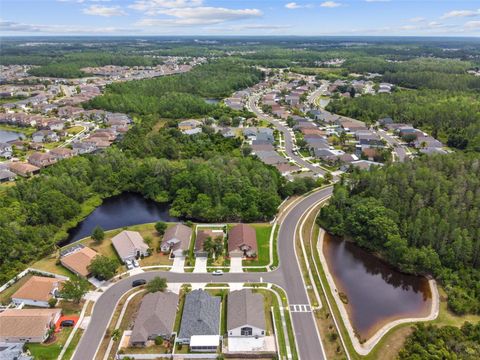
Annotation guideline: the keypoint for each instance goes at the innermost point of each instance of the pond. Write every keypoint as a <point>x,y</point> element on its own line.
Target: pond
<point>212,101</point>
<point>7,135</point>
<point>118,211</point>
<point>376,293</point>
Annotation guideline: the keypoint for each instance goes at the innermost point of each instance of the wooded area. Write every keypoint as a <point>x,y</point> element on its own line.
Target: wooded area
<point>422,216</point>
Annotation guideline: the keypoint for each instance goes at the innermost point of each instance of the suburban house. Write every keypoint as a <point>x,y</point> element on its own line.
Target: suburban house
<point>13,351</point>
<point>6,150</point>
<point>37,291</point>
<point>155,317</point>
<point>189,124</point>
<point>242,241</point>
<point>176,240</point>
<point>200,318</point>
<point>42,159</point>
<point>23,169</point>
<point>62,153</point>
<point>78,260</point>
<point>245,314</point>
<point>130,245</point>
<point>202,236</point>
<point>44,136</point>
<point>6,175</point>
<point>27,325</point>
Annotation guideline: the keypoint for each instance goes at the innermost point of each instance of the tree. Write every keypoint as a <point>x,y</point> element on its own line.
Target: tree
<point>74,289</point>
<point>161,226</point>
<point>328,177</point>
<point>98,234</point>
<point>103,267</point>
<point>52,302</point>
<point>157,284</point>
<point>213,246</point>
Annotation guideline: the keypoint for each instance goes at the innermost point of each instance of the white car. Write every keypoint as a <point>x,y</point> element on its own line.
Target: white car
<point>128,264</point>
<point>217,272</point>
<point>135,263</point>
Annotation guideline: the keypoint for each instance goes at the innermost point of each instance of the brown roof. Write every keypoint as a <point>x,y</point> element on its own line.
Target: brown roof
<point>26,323</point>
<point>180,234</point>
<point>62,151</point>
<point>203,235</point>
<point>309,131</point>
<point>37,288</point>
<point>242,235</point>
<point>23,168</point>
<point>78,261</point>
<point>370,152</point>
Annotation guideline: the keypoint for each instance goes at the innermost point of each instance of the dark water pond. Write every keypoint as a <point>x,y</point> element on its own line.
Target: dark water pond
<point>6,136</point>
<point>118,211</point>
<point>212,101</point>
<point>376,292</point>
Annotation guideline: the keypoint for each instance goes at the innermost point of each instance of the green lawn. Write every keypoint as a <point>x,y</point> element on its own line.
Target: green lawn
<point>263,242</point>
<point>52,350</point>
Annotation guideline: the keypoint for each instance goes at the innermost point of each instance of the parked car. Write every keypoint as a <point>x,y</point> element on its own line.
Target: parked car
<point>67,323</point>
<point>128,264</point>
<point>135,263</point>
<point>138,282</point>
<point>217,272</point>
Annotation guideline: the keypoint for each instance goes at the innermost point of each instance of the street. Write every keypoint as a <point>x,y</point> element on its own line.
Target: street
<point>288,276</point>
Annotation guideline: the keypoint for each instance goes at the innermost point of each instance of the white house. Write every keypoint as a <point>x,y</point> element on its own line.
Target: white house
<point>246,317</point>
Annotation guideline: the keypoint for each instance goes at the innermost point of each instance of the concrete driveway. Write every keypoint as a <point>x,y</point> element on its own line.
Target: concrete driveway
<point>236,265</point>
<point>200,265</point>
<point>178,264</point>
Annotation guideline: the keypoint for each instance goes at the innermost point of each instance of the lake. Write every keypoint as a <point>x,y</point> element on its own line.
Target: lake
<point>118,211</point>
<point>7,135</point>
<point>376,292</point>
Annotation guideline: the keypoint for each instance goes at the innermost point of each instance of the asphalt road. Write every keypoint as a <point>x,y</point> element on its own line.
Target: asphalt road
<point>395,143</point>
<point>289,143</point>
<point>288,275</point>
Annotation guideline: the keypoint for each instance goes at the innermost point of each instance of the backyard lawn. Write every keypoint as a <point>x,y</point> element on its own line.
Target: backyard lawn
<point>52,350</point>
<point>263,242</point>
<point>7,293</point>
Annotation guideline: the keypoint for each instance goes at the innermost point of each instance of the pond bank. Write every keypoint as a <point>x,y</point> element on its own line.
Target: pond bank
<point>365,347</point>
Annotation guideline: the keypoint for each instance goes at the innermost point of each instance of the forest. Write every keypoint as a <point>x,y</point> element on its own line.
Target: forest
<point>452,117</point>
<point>422,216</point>
<point>448,342</point>
<point>205,177</point>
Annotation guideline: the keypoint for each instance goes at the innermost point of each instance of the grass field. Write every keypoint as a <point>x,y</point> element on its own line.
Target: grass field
<point>263,243</point>
<point>52,350</point>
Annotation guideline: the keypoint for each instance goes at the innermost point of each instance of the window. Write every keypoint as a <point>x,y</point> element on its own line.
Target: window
<point>246,331</point>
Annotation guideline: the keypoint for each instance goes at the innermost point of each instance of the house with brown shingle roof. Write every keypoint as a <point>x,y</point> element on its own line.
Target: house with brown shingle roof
<point>130,245</point>
<point>27,325</point>
<point>23,169</point>
<point>202,236</point>
<point>242,241</point>
<point>42,159</point>
<point>79,260</point>
<point>37,291</point>
<point>176,240</point>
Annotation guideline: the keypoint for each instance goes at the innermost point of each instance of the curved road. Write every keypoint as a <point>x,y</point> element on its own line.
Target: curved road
<point>288,275</point>
<point>289,143</point>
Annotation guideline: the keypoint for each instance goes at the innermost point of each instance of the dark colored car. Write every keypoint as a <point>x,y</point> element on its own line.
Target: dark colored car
<point>67,323</point>
<point>138,282</point>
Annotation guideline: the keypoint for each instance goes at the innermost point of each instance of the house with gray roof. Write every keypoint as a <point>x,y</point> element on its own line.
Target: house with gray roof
<point>176,240</point>
<point>245,314</point>
<point>200,317</point>
<point>155,318</point>
<point>130,245</point>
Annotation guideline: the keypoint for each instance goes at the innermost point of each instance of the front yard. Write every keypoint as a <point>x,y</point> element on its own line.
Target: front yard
<point>51,350</point>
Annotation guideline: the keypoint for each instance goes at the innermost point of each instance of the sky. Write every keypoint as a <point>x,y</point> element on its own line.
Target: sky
<point>240,17</point>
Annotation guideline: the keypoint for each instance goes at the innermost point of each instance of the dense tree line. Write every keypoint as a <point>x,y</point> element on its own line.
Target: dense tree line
<point>448,342</point>
<point>423,216</point>
<point>452,117</point>
<point>420,73</point>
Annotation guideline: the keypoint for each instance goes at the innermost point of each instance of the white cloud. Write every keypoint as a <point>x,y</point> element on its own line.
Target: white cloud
<point>200,16</point>
<point>330,4</point>
<point>417,19</point>
<point>472,25</point>
<point>292,5</point>
<point>105,11</point>
<point>461,13</point>
<point>7,26</point>
<point>152,7</point>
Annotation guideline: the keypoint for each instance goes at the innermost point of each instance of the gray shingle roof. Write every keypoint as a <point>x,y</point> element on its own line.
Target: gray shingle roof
<point>245,308</point>
<point>178,236</point>
<point>201,315</point>
<point>155,317</point>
